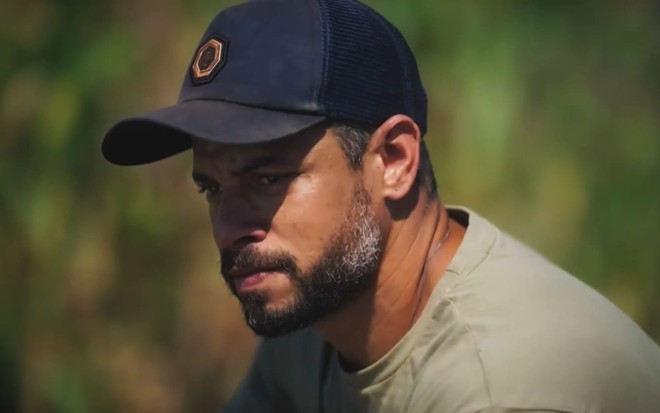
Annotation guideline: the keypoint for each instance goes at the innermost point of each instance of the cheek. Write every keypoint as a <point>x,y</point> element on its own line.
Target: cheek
<point>212,214</point>
<point>309,216</point>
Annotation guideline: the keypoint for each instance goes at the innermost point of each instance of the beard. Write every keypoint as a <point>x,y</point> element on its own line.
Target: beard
<point>344,271</point>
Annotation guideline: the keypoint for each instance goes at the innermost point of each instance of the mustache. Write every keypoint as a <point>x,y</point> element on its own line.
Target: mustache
<point>249,257</point>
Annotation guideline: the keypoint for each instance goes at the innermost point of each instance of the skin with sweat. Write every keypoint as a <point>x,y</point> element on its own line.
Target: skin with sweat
<point>292,196</point>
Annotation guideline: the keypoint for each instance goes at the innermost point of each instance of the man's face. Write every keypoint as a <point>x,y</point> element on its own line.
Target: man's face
<point>294,225</point>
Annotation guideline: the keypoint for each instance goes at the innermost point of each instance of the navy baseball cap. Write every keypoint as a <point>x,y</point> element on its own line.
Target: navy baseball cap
<point>267,69</point>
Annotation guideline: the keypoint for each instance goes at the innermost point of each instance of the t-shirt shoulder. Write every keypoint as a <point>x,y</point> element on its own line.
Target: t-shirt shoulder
<point>538,334</point>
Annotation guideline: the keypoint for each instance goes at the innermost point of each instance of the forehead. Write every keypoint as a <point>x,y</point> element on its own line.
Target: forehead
<point>293,148</point>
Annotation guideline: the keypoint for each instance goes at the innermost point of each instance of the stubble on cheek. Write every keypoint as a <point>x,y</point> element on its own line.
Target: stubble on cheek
<point>342,270</point>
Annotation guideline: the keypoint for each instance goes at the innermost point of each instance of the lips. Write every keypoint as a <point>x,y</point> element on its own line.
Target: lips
<point>245,280</point>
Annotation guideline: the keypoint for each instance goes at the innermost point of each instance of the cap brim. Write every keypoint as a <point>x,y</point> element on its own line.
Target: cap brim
<point>168,131</point>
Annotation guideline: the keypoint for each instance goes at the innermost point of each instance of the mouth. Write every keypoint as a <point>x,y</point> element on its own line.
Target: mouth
<point>249,279</point>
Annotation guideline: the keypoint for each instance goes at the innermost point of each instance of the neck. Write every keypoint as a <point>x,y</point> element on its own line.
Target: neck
<point>417,252</point>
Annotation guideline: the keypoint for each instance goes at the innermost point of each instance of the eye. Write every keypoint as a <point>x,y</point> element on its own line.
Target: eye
<point>267,180</point>
<point>209,190</point>
<point>272,184</point>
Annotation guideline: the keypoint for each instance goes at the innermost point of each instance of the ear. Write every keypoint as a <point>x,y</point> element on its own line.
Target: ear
<point>398,141</point>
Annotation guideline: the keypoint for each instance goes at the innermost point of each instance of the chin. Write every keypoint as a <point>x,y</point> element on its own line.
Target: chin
<point>272,318</point>
<point>274,308</point>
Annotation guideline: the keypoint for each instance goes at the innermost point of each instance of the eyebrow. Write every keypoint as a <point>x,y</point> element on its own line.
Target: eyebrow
<point>200,177</point>
<point>260,162</point>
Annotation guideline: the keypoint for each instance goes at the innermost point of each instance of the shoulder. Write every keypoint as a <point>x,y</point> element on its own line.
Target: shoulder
<point>516,330</point>
<point>285,375</point>
<point>288,354</point>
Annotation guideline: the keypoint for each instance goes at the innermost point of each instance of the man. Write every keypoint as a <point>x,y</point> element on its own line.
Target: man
<point>306,119</point>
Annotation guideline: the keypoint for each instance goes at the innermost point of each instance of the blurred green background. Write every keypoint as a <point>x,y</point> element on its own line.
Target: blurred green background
<point>544,117</point>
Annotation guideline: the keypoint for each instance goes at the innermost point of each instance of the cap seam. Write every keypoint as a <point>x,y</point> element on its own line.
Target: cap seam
<point>324,46</point>
<point>315,13</point>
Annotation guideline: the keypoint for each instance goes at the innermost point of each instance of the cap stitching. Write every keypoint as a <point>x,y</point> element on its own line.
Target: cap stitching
<point>324,45</point>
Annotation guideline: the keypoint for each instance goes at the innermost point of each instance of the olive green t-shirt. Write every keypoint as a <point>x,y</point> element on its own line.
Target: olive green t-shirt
<point>504,331</point>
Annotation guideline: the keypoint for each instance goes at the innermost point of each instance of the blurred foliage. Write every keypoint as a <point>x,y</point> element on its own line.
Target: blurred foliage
<point>543,117</point>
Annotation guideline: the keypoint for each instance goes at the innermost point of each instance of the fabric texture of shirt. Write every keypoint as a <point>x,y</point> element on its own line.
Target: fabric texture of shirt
<point>503,331</point>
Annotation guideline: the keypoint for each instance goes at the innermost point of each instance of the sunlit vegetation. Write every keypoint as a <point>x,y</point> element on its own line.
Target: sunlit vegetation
<point>543,117</point>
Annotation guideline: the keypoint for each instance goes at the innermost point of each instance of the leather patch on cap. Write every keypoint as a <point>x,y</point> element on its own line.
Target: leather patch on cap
<point>210,57</point>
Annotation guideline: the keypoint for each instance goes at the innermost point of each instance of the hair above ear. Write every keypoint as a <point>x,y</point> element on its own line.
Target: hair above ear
<point>354,139</point>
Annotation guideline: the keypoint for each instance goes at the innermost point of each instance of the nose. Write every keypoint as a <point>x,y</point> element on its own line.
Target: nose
<point>236,222</point>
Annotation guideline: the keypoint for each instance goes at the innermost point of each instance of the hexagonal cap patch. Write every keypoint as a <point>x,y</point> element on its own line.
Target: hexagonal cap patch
<point>210,57</point>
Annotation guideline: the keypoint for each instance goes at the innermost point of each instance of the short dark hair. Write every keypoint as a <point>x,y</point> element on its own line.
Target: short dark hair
<point>354,137</point>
